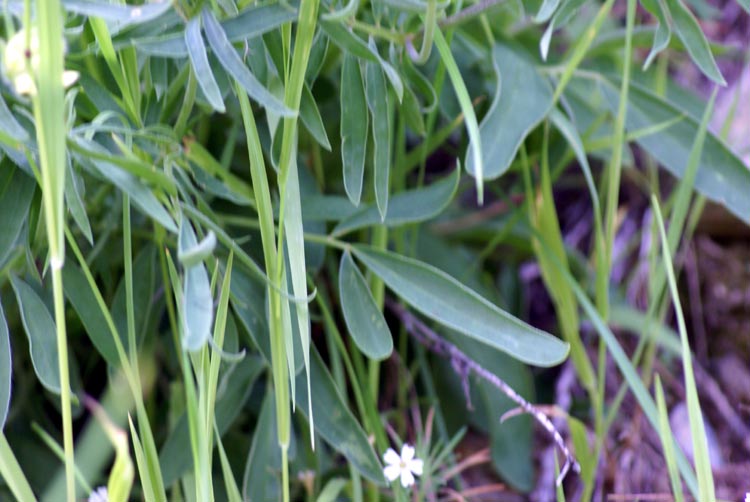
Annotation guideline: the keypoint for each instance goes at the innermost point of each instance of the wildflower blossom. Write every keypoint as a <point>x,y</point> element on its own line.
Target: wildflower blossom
<point>21,62</point>
<point>404,466</point>
<point>99,495</point>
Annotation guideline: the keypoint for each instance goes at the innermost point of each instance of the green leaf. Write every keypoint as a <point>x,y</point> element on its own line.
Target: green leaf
<point>364,320</point>
<point>197,301</point>
<point>121,14</point>
<point>546,11</point>
<point>667,442</point>
<point>663,32</point>
<point>522,100</point>
<point>263,465</point>
<point>234,65</point>
<point>16,191</point>
<point>464,100</point>
<point>745,4</point>
<point>310,116</point>
<point>354,127</point>
<point>11,472</point>
<point>6,369</point>
<point>10,126</point>
<point>560,19</point>
<point>689,31</point>
<point>233,391</point>
<point>331,490</point>
<point>40,330</point>
<point>190,252</point>
<point>82,298</point>
<point>721,176</point>
<point>75,203</point>
<point>380,111</point>
<point>335,423</point>
<point>257,20</point>
<point>411,206</point>
<point>141,196</point>
<point>447,301</point>
<point>201,68</point>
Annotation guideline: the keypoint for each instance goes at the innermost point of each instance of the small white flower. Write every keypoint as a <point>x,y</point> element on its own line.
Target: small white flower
<point>404,465</point>
<point>747,497</point>
<point>21,62</point>
<point>99,495</point>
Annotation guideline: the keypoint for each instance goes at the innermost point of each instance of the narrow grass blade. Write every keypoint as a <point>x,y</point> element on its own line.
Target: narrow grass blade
<point>12,473</point>
<point>380,111</point>
<point>459,87</point>
<point>201,68</point>
<point>354,127</point>
<point>230,484</point>
<point>311,119</point>
<point>364,319</point>
<point>706,489</point>
<point>444,299</point>
<point>667,442</point>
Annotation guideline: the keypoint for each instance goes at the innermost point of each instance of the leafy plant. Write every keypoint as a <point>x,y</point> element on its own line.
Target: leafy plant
<point>231,194</point>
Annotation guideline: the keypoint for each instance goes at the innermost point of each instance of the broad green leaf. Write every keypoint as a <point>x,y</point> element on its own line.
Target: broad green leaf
<point>141,196</point>
<point>310,117</point>
<point>380,111</point>
<point>412,111</point>
<point>335,423</point>
<point>663,32</point>
<point>447,301</point>
<point>721,176</point>
<point>16,192</point>
<point>233,391</point>
<point>197,301</point>
<point>522,100</point>
<point>82,298</point>
<point>233,64</point>
<point>6,369</point>
<point>201,68</point>
<point>691,34</point>
<point>40,330</point>
<point>364,320</point>
<point>354,127</point>
<point>411,206</point>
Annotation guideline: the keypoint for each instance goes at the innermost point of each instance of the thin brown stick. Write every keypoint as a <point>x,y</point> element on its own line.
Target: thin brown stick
<point>464,366</point>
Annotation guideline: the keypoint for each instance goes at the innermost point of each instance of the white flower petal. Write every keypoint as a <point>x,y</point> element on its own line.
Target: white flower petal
<point>407,478</point>
<point>407,453</point>
<point>391,472</point>
<point>99,495</point>
<point>416,466</point>
<point>747,497</point>
<point>69,78</point>
<point>391,457</point>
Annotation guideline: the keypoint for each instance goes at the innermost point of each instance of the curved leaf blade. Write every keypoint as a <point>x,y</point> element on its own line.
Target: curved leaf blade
<point>364,319</point>
<point>691,34</point>
<point>234,65</point>
<point>6,369</point>
<point>201,68</point>
<point>522,100</point>
<point>411,206</point>
<point>447,301</point>
<point>380,111</point>
<point>354,127</point>
<point>40,330</point>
